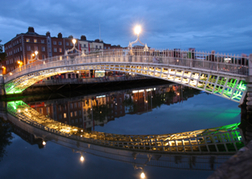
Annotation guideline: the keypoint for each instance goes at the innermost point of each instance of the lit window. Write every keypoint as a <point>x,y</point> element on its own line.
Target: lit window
<point>35,40</point>
<point>75,113</point>
<point>65,116</point>
<point>71,114</point>
<point>60,49</point>
<point>27,40</point>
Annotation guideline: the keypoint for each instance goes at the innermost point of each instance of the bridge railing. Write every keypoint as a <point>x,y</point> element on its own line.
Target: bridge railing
<point>167,57</point>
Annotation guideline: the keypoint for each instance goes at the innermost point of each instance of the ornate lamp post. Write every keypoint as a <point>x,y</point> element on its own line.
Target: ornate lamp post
<point>137,31</point>
<point>74,48</point>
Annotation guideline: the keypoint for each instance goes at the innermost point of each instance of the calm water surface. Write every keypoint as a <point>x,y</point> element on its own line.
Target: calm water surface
<point>150,110</point>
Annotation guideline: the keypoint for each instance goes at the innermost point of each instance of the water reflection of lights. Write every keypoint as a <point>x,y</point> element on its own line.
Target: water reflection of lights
<point>44,143</point>
<point>82,158</point>
<point>142,175</point>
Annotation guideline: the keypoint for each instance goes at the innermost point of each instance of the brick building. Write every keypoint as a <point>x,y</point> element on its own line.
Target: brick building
<point>21,48</point>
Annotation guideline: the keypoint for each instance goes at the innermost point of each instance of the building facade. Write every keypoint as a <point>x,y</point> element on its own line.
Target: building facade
<point>21,49</point>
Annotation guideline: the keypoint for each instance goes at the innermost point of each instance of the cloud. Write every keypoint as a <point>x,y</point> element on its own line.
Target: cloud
<point>166,24</point>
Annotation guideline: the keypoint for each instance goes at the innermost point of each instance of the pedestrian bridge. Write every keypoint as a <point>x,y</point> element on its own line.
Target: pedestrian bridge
<point>218,76</point>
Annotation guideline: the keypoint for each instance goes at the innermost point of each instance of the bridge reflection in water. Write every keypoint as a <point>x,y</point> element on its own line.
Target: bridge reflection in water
<point>198,150</point>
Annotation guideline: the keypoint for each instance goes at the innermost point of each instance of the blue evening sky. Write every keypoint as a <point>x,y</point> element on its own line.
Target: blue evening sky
<point>220,25</point>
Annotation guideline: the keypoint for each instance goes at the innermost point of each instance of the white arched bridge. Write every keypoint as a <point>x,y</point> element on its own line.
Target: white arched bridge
<point>217,74</point>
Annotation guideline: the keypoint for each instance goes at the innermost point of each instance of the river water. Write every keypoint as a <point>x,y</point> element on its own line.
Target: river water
<point>159,109</point>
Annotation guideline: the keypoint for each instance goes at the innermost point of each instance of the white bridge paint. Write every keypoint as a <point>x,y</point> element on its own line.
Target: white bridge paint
<point>199,74</point>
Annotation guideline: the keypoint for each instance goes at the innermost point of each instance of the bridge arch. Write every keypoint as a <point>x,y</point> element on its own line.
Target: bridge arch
<point>193,73</point>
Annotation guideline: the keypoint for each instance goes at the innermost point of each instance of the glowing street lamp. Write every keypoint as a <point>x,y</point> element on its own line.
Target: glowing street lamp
<point>74,42</point>
<point>20,63</point>
<point>137,31</point>
<point>4,70</point>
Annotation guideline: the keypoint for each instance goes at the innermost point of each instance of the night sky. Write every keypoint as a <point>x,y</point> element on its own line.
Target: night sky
<point>221,25</point>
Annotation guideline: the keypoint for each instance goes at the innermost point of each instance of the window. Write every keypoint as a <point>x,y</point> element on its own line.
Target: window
<point>60,50</point>
<point>20,48</point>
<point>28,48</point>
<point>42,41</point>
<point>55,49</point>
<point>59,108</point>
<point>54,43</point>
<point>27,40</point>
<point>84,45</point>
<point>60,43</point>
<point>75,105</point>
<point>100,47</point>
<point>35,40</point>
<point>71,44</point>
<point>67,44</point>
<point>35,47</point>
<point>71,105</point>
<point>65,116</point>
<point>43,56</point>
<point>76,120</point>
<point>43,49</point>
<point>41,110</point>
<point>79,104</point>
<point>75,113</point>
<point>71,114</point>
<point>96,46</point>
<point>60,116</point>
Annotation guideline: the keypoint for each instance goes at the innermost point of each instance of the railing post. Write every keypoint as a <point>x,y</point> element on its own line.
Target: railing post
<point>249,84</point>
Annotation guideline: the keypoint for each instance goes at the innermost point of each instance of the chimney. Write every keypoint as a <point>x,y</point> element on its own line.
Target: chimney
<point>83,37</point>
<point>60,35</point>
<point>30,29</point>
<point>48,34</point>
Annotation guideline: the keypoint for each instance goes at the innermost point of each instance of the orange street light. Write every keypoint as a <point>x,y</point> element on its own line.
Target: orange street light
<point>20,63</point>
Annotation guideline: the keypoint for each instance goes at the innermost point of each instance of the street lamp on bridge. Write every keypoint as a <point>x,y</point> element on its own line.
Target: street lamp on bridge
<point>74,48</point>
<point>137,31</point>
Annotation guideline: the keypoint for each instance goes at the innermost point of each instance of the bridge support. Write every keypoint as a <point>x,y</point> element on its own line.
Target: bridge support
<point>249,85</point>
